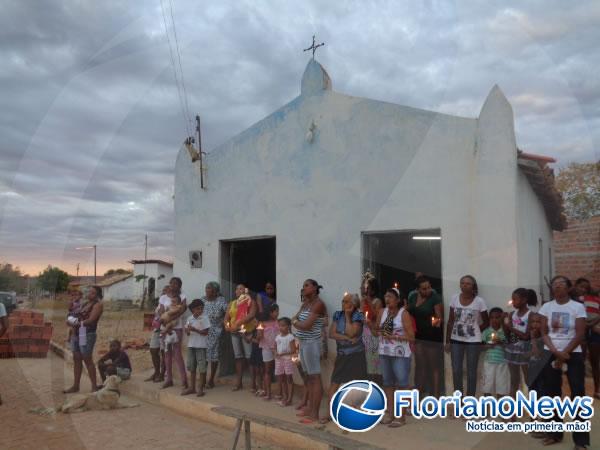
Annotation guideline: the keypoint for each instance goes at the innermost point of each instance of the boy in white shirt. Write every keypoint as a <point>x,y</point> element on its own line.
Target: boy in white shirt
<point>196,328</point>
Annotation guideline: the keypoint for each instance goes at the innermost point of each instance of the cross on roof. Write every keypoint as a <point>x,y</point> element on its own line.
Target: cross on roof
<point>314,47</point>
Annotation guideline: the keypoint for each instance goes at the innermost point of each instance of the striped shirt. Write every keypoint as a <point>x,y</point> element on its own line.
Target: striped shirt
<point>314,332</point>
<point>494,355</point>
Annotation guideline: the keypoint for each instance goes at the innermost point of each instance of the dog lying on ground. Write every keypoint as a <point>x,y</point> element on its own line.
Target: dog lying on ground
<point>109,397</point>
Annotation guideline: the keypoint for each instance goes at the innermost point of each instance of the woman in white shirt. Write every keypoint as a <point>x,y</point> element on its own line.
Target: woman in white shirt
<point>394,325</point>
<point>468,317</point>
<point>563,331</point>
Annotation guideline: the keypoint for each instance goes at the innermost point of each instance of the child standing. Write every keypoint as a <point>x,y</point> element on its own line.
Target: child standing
<point>536,355</point>
<point>284,366</point>
<point>267,332</point>
<point>196,328</point>
<point>517,333</point>
<point>496,378</point>
<point>256,364</point>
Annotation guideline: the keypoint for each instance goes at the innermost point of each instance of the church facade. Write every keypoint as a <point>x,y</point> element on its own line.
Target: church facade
<point>331,185</point>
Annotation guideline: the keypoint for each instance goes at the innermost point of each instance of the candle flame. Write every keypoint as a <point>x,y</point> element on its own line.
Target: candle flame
<point>260,326</point>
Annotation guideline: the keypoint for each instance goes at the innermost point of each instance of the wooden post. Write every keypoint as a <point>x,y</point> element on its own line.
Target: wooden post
<point>247,434</point>
<point>236,434</point>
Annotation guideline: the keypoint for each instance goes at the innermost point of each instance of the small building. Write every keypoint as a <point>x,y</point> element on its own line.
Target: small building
<point>331,185</point>
<point>158,273</point>
<point>117,287</point>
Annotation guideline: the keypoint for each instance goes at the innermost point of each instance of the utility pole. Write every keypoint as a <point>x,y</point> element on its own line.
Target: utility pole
<point>94,263</point>
<point>200,152</point>
<point>144,279</point>
<point>77,270</point>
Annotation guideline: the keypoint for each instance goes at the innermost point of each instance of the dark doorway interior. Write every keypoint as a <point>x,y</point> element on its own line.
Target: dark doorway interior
<point>395,257</point>
<point>249,261</point>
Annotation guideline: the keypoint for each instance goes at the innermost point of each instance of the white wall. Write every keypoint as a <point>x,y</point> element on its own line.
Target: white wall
<point>373,166</point>
<point>153,270</point>
<point>123,290</point>
<point>532,226</point>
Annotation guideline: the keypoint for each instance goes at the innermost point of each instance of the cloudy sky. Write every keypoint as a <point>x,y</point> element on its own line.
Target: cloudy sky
<point>91,122</point>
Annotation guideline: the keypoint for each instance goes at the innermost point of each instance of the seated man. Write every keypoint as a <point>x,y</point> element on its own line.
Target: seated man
<point>115,362</point>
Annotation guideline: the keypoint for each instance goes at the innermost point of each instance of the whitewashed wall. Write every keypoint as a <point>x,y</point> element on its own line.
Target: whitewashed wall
<point>152,271</point>
<point>123,290</point>
<point>533,226</point>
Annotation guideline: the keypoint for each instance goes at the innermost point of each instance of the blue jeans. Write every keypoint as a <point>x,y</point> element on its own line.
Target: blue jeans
<point>457,355</point>
<point>395,370</point>
<point>88,348</point>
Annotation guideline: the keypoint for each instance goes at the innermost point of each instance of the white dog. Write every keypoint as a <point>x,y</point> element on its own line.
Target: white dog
<point>109,397</point>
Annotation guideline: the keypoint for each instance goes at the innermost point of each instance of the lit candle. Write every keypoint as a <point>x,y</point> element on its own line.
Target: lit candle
<point>242,329</point>
<point>345,293</point>
<point>432,320</point>
<point>260,326</point>
<point>510,302</point>
<point>294,359</point>
<point>396,285</point>
<point>367,315</point>
<point>493,337</point>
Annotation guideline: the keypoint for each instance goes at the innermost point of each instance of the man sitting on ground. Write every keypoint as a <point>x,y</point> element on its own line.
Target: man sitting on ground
<point>115,361</point>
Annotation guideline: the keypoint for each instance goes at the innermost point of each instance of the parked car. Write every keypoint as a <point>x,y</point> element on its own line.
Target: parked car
<point>9,299</point>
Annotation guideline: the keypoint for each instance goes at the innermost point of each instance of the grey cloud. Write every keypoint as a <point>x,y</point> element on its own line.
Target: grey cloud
<point>90,121</point>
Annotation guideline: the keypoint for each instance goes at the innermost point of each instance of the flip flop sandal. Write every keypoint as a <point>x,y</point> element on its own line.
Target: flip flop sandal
<point>537,435</point>
<point>307,421</point>
<point>387,419</point>
<point>551,441</point>
<point>397,423</point>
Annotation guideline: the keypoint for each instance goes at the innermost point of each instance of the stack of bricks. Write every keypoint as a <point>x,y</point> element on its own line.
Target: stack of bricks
<point>27,337</point>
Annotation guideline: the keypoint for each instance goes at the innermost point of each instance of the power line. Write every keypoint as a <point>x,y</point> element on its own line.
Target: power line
<point>187,109</point>
<point>179,93</point>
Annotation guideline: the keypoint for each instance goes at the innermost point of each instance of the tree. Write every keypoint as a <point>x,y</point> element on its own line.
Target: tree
<point>110,272</point>
<point>579,184</point>
<point>10,278</point>
<point>53,280</point>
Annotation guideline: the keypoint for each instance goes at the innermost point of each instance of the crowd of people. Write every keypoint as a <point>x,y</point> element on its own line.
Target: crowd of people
<point>376,339</point>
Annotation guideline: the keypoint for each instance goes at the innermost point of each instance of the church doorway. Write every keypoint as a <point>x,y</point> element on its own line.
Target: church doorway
<point>395,256</point>
<point>250,261</point>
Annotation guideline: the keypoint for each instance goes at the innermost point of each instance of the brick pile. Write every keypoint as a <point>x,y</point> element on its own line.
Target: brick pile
<point>28,336</point>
